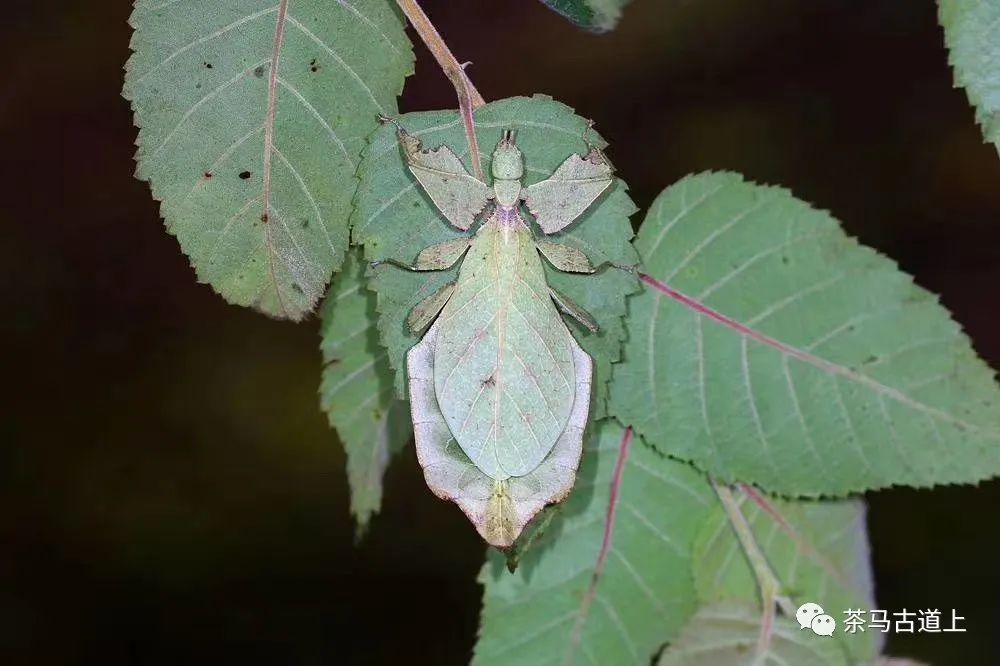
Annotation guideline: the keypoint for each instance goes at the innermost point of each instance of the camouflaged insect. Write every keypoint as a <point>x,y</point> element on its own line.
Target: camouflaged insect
<point>499,388</point>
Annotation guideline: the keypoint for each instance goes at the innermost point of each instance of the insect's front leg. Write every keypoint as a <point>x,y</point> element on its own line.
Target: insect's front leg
<point>459,195</point>
<point>568,193</point>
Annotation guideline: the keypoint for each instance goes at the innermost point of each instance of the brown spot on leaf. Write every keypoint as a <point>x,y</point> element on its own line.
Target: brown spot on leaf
<point>259,72</point>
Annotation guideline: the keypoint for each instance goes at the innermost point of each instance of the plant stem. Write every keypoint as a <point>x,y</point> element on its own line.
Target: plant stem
<point>469,98</point>
<point>770,586</point>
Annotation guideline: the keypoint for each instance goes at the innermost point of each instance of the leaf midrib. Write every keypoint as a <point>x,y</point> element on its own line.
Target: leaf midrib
<point>829,367</point>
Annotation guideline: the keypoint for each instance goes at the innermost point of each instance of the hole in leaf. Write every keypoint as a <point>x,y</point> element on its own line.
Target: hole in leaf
<point>245,175</point>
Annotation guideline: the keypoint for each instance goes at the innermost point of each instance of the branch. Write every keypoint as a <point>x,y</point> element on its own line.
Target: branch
<point>469,98</point>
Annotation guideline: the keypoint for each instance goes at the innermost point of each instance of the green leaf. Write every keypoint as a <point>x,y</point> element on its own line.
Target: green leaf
<point>548,611</point>
<point>356,391</point>
<point>395,220</point>
<point>817,549</point>
<point>252,118</point>
<point>970,32</point>
<point>596,15</point>
<point>725,634</point>
<point>768,347</point>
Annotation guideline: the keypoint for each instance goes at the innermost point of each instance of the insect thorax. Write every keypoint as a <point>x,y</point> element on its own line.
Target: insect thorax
<point>507,169</point>
<point>509,217</point>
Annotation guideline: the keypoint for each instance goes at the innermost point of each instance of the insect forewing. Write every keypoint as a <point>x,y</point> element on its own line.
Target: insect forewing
<point>498,509</point>
<point>504,372</point>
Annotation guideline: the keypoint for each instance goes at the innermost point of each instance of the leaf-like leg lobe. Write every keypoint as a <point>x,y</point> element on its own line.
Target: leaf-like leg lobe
<point>569,307</point>
<point>442,255</point>
<point>564,257</point>
<point>573,186</point>
<point>425,311</point>
<point>455,192</point>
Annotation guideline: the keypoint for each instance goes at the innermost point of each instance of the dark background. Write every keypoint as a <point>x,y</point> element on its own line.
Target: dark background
<point>170,491</point>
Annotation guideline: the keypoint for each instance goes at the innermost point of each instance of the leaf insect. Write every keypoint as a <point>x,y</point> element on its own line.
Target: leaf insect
<point>499,388</point>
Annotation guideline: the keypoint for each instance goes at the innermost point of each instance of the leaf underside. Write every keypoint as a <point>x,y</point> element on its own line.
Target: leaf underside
<point>252,118</point>
<point>725,634</point>
<point>970,31</point>
<point>395,220</point>
<point>538,615</point>
<point>768,347</point>
<point>356,390</point>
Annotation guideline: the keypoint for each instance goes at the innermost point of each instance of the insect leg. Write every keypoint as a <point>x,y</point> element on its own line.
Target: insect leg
<point>424,312</point>
<point>566,305</point>
<point>564,257</point>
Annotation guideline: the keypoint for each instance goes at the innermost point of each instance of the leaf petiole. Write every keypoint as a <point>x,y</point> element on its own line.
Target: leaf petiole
<point>767,581</point>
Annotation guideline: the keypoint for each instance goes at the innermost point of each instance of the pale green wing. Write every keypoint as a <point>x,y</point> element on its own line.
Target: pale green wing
<point>458,195</point>
<point>503,365</point>
<point>452,476</point>
<point>573,186</point>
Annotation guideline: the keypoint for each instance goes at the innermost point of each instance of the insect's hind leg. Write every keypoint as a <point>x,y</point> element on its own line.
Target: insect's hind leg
<point>567,306</point>
<point>424,312</point>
